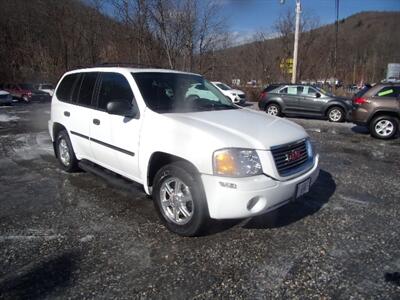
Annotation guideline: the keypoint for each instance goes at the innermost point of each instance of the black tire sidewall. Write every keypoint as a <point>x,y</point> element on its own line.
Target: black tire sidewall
<point>277,107</point>
<point>342,112</point>
<point>380,118</point>
<point>200,210</point>
<point>63,135</point>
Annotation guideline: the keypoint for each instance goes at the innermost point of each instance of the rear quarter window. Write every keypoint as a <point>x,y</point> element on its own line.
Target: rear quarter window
<point>65,88</point>
<point>389,91</point>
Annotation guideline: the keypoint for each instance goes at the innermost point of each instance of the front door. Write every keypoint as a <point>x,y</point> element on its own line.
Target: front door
<point>310,102</point>
<point>115,139</point>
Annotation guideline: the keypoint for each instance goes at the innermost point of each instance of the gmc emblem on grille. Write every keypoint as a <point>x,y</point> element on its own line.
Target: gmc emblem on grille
<point>293,155</point>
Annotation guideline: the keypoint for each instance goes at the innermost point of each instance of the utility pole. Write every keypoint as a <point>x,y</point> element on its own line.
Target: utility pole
<point>296,41</point>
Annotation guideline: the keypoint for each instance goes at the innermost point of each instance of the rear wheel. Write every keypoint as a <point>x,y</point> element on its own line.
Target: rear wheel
<point>336,114</point>
<point>384,127</point>
<point>273,109</point>
<point>65,152</point>
<point>180,200</point>
<point>25,98</point>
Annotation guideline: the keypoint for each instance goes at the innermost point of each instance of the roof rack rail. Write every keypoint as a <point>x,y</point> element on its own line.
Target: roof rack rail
<point>119,64</point>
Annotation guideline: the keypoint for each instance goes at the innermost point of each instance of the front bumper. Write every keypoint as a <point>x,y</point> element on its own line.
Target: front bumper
<point>235,198</point>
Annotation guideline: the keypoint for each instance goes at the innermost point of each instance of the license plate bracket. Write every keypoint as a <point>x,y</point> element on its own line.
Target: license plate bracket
<point>303,187</point>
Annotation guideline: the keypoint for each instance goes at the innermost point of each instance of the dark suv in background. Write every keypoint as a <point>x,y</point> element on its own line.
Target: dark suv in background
<point>303,100</point>
<point>378,108</point>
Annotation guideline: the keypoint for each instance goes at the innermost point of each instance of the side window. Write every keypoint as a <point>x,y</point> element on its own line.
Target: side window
<point>312,91</point>
<point>65,88</point>
<point>300,90</point>
<point>292,90</point>
<point>114,86</point>
<point>283,91</point>
<point>87,88</point>
<point>389,91</point>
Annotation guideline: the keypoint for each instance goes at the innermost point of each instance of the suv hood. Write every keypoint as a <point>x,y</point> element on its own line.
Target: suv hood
<point>236,92</point>
<point>241,127</point>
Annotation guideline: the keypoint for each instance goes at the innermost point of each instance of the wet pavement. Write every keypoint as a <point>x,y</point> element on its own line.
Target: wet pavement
<point>76,236</point>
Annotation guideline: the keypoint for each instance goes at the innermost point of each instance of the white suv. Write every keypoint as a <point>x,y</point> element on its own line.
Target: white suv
<point>236,96</point>
<point>196,153</point>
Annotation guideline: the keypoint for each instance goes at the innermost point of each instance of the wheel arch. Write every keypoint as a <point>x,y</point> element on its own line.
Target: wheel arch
<point>57,127</point>
<point>384,112</point>
<point>159,159</point>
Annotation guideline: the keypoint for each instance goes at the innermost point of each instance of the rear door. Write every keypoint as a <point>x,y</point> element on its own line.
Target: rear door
<point>387,98</point>
<point>115,139</point>
<point>290,98</point>
<point>79,114</point>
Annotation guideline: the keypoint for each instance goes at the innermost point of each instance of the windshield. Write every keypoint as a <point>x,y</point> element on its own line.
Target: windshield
<point>174,92</point>
<point>26,86</point>
<point>224,87</point>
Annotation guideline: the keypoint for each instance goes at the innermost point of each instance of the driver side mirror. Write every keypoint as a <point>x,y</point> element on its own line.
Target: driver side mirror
<point>318,95</point>
<point>121,108</point>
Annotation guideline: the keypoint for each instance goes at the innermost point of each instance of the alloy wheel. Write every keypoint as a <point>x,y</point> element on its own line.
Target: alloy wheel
<point>384,128</point>
<point>176,201</point>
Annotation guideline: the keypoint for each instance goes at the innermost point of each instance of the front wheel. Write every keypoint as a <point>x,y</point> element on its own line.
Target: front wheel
<point>336,114</point>
<point>273,109</point>
<point>180,200</point>
<point>384,127</point>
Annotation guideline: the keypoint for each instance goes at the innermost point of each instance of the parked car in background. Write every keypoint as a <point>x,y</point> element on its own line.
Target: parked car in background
<point>5,98</point>
<point>378,108</point>
<point>236,96</point>
<point>26,92</point>
<point>46,87</point>
<point>304,100</point>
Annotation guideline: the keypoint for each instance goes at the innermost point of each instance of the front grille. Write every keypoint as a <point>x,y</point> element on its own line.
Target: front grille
<point>291,157</point>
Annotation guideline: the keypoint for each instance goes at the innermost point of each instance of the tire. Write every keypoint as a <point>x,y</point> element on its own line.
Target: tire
<point>384,127</point>
<point>65,152</point>
<point>273,109</point>
<point>336,114</point>
<point>25,98</point>
<point>185,217</point>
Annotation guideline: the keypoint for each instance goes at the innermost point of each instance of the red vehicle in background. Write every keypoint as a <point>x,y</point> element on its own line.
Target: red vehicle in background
<point>26,92</point>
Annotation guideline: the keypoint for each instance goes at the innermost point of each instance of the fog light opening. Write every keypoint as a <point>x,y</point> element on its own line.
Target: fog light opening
<point>253,201</point>
<point>256,204</point>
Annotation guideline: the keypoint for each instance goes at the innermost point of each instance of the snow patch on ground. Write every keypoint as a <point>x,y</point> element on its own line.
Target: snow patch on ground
<point>30,146</point>
<point>8,118</point>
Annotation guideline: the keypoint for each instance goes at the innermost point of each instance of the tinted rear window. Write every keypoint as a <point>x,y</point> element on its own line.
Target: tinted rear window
<point>389,91</point>
<point>271,87</point>
<point>87,88</point>
<point>65,88</point>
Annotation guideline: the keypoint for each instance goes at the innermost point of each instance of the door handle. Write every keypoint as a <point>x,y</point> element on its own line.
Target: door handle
<point>67,113</point>
<point>96,121</point>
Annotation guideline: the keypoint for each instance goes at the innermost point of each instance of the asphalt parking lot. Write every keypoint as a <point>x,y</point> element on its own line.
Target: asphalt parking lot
<point>76,236</point>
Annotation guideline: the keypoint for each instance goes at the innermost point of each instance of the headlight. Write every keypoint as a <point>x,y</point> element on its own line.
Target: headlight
<point>310,150</point>
<point>236,162</point>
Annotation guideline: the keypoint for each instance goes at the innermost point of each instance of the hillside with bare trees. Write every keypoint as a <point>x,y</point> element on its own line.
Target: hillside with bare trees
<point>367,42</point>
<point>41,39</point>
